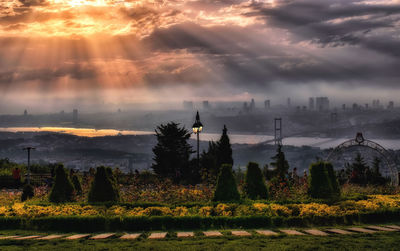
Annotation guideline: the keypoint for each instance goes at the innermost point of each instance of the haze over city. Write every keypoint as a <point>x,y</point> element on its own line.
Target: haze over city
<point>93,54</point>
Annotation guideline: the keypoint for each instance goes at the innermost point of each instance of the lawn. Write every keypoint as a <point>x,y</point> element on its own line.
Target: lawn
<point>377,241</point>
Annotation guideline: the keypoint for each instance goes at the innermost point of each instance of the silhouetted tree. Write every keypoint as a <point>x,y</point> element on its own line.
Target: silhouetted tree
<point>224,149</point>
<point>208,164</point>
<point>226,189</point>
<point>320,185</point>
<point>172,152</point>
<point>218,153</point>
<point>280,165</point>
<point>358,171</point>
<point>62,190</point>
<point>254,186</point>
<point>77,184</point>
<point>102,188</point>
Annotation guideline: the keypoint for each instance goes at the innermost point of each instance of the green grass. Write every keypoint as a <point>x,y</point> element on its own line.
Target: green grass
<point>377,241</point>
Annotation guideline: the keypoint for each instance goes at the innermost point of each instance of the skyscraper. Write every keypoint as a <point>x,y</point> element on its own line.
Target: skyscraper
<point>267,104</point>
<point>311,103</point>
<point>75,116</point>
<point>322,103</point>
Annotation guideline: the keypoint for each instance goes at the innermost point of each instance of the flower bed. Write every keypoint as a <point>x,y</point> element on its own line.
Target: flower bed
<point>348,207</point>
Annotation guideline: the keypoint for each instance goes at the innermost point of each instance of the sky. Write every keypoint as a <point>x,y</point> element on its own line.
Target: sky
<point>67,53</point>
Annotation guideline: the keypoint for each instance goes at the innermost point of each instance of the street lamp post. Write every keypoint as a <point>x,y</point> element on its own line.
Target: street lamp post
<point>197,128</point>
<point>28,149</point>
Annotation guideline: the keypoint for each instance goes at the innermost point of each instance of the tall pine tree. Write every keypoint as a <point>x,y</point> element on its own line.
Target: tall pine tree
<point>218,153</point>
<point>280,164</point>
<point>224,149</point>
<point>172,152</point>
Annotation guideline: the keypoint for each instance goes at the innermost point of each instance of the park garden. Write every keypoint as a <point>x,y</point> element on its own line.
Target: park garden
<point>205,193</point>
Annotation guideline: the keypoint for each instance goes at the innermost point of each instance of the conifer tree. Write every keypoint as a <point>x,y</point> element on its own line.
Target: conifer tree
<point>77,184</point>
<point>226,189</point>
<point>224,149</point>
<point>280,164</point>
<point>320,185</point>
<point>102,188</point>
<point>172,152</point>
<point>62,190</point>
<point>254,186</point>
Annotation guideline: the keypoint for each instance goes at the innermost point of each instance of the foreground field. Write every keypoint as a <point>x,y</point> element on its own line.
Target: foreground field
<point>376,241</point>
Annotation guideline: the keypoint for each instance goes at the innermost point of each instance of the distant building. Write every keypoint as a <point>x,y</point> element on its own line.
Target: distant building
<point>188,105</point>
<point>245,106</point>
<point>344,107</point>
<point>366,106</point>
<point>288,102</point>
<point>376,104</point>
<point>267,104</point>
<point>322,103</point>
<point>252,105</point>
<point>390,105</point>
<point>25,113</point>
<point>355,107</point>
<point>75,116</point>
<point>311,103</point>
<point>206,105</point>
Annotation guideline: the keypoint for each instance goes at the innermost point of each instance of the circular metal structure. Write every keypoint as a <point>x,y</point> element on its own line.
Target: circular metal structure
<point>359,141</point>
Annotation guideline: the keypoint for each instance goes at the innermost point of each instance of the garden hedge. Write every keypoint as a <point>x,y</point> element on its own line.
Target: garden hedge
<point>143,223</point>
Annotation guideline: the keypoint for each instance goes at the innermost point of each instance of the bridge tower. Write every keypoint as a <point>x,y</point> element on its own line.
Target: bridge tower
<point>278,131</point>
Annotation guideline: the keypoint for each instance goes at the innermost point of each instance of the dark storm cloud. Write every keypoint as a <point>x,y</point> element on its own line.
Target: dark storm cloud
<point>251,64</point>
<point>336,23</point>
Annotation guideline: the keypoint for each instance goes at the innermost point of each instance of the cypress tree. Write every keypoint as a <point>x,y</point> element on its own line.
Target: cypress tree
<point>280,164</point>
<point>62,190</point>
<point>226,189</point>
<point>319,183</point>
<point>333,179</point>
<point>77,184</point>
<point>102,188</point>
<point>224,149</point>
<point>254,186</point>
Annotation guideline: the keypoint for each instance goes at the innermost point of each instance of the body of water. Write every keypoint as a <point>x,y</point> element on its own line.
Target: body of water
<point>235,138</point>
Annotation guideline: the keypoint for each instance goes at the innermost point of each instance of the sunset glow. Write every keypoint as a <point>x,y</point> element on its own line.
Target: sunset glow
<point>138,51</point>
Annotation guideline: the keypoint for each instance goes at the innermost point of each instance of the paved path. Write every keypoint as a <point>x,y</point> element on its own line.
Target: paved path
<point>209,234</point>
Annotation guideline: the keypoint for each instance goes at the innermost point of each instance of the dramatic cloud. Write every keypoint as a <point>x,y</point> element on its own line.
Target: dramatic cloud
<point>200,47</point>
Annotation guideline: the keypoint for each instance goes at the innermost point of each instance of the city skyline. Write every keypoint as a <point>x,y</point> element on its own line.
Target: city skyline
<point>67,53</point>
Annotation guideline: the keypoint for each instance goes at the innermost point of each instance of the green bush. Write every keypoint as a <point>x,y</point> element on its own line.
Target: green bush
<point>103,188</point>
<point>254,186</point>
<point>226,189</point>
<point>320,186</point>
<point>143,223</point>
<point>62,190</point>
<point>77,184</point>
<point>333,179</point>
<point>27,192</point>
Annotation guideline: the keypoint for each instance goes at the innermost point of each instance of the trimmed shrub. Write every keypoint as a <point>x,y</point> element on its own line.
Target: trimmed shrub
<point>103,188</point>
<point>27,192</point>
<point>254,183</point>
<point>226,189</point>
<point>333,179</point>
<point>62,190</point>
<point>77,184</point>
<point>320,186</point>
